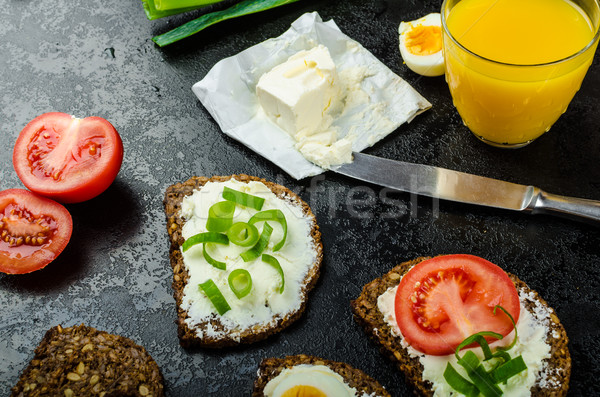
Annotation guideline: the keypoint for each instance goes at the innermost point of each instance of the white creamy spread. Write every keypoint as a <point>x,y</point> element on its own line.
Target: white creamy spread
<point>321,377</point>
<point>531,344</point>
<point>264,303</point>
<point>306,94</point>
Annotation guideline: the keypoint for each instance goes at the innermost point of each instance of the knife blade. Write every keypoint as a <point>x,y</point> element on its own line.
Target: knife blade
<point>445,184</point>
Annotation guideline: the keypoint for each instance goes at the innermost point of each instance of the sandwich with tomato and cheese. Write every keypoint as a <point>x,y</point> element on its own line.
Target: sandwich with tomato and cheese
<point>459,325</point>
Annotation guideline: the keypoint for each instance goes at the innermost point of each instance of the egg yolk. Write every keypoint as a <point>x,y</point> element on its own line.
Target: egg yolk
<point>303,391</point>
<point>424,40</point>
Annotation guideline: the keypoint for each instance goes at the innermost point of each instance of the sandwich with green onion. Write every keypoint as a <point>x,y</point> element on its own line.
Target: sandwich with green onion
<point>245,254</point>
<point>459,325</point>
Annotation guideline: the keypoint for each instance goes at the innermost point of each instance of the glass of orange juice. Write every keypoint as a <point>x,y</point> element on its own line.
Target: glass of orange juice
<point>513,66</point>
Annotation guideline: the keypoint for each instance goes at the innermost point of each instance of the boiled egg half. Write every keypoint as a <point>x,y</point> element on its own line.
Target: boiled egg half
<point>309,381</point>
<point>421,45</point>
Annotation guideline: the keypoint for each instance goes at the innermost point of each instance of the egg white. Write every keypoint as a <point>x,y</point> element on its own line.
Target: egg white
<point>426,65</point>
<point>319,376</point>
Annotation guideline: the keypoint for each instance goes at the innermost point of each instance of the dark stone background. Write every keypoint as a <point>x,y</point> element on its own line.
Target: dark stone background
<point>90,58</point>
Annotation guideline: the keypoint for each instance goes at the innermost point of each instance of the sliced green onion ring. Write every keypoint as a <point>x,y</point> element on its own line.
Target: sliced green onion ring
<point>479,338</point>
<point>240,282</point>
<point>243,234</point>
<point>512,320</point>
<point>245,199</point>
<point>478,375</point>
<point>216,297</point>
<point>484,382</point>
<point>260,245</point>
<point>218,264</point>
<point>220,216</point>
<point>272,215</point>
<point>206,237</point>
<point>509,369</point>
<point>469,361</point>
<point>458,383</point>
<point>275,263</point>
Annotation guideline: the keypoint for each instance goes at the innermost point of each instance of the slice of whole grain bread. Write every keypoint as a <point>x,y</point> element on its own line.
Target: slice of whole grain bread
<point>82,361</point>
<point>188,337</point>
<point>554,381</point>
<point>271,367</point>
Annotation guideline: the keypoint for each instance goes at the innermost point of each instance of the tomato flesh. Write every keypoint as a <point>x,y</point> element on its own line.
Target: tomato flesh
<point>33,231</point>
<point>443,300</point>
<point>66,158</point>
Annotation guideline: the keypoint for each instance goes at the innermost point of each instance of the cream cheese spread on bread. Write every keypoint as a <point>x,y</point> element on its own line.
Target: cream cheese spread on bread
<point>264,302</point>
<point>531,344</point>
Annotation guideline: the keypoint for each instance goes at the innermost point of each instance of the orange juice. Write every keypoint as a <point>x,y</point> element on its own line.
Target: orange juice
<point>513,66</point>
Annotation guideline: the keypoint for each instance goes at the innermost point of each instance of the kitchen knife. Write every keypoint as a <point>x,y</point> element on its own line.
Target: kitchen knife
<point>458,186</point>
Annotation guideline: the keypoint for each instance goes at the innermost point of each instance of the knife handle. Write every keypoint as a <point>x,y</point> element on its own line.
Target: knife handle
<point>568,207</point>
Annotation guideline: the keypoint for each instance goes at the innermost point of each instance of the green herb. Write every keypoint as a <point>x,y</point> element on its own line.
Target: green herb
<point>240,9</point>
<point>207,237</point>
<point>220,216</point>
<point>272,215</point>
<point>240,282</point>
<point>275,263</point>
<point>216,297</point>
<point>458,383</point>
<point>509,369</point>
<point>218,264</point>
<point>245,199</point>
<point>260,246</point>
<point>243,234</point>
<point>483,381</point>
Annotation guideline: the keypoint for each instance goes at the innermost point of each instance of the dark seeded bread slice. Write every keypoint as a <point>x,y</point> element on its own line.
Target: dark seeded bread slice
<point>82,361</point>
<point>556,377</point>
<point>271,367</point>
<point>188,337</point>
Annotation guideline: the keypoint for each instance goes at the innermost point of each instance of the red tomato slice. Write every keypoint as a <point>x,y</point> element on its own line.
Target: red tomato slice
<point>443,300</point>
<point>68,159</point>
<point>34,230</point>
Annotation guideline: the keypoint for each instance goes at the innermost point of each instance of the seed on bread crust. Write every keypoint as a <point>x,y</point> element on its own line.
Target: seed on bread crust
<point>271,367</point>
<point>66,365</point>
<point>174,196</point>
<point>367,314</point>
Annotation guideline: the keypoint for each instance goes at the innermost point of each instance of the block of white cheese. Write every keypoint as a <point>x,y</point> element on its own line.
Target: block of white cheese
<point>302,94</point>
<point>373,104</point>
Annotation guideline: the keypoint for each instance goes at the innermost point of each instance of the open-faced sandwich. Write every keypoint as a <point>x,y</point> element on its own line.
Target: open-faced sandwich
<point>82,361</point>
<point>304,375</point>
<point>448,323</point>
<point>245,253</point>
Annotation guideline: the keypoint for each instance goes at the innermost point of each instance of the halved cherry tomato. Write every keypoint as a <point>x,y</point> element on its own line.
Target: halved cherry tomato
<point>33,231</point>
<point>68,159</point>
<point>443,300</point>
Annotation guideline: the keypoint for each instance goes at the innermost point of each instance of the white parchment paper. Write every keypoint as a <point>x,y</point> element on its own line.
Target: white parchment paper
<point>229,93</point>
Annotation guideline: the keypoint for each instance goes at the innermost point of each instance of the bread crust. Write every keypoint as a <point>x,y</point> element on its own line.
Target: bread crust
<point>271,367</point>
<point>82,361</point>
<point>174,196</point>
<point>371,319</point>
